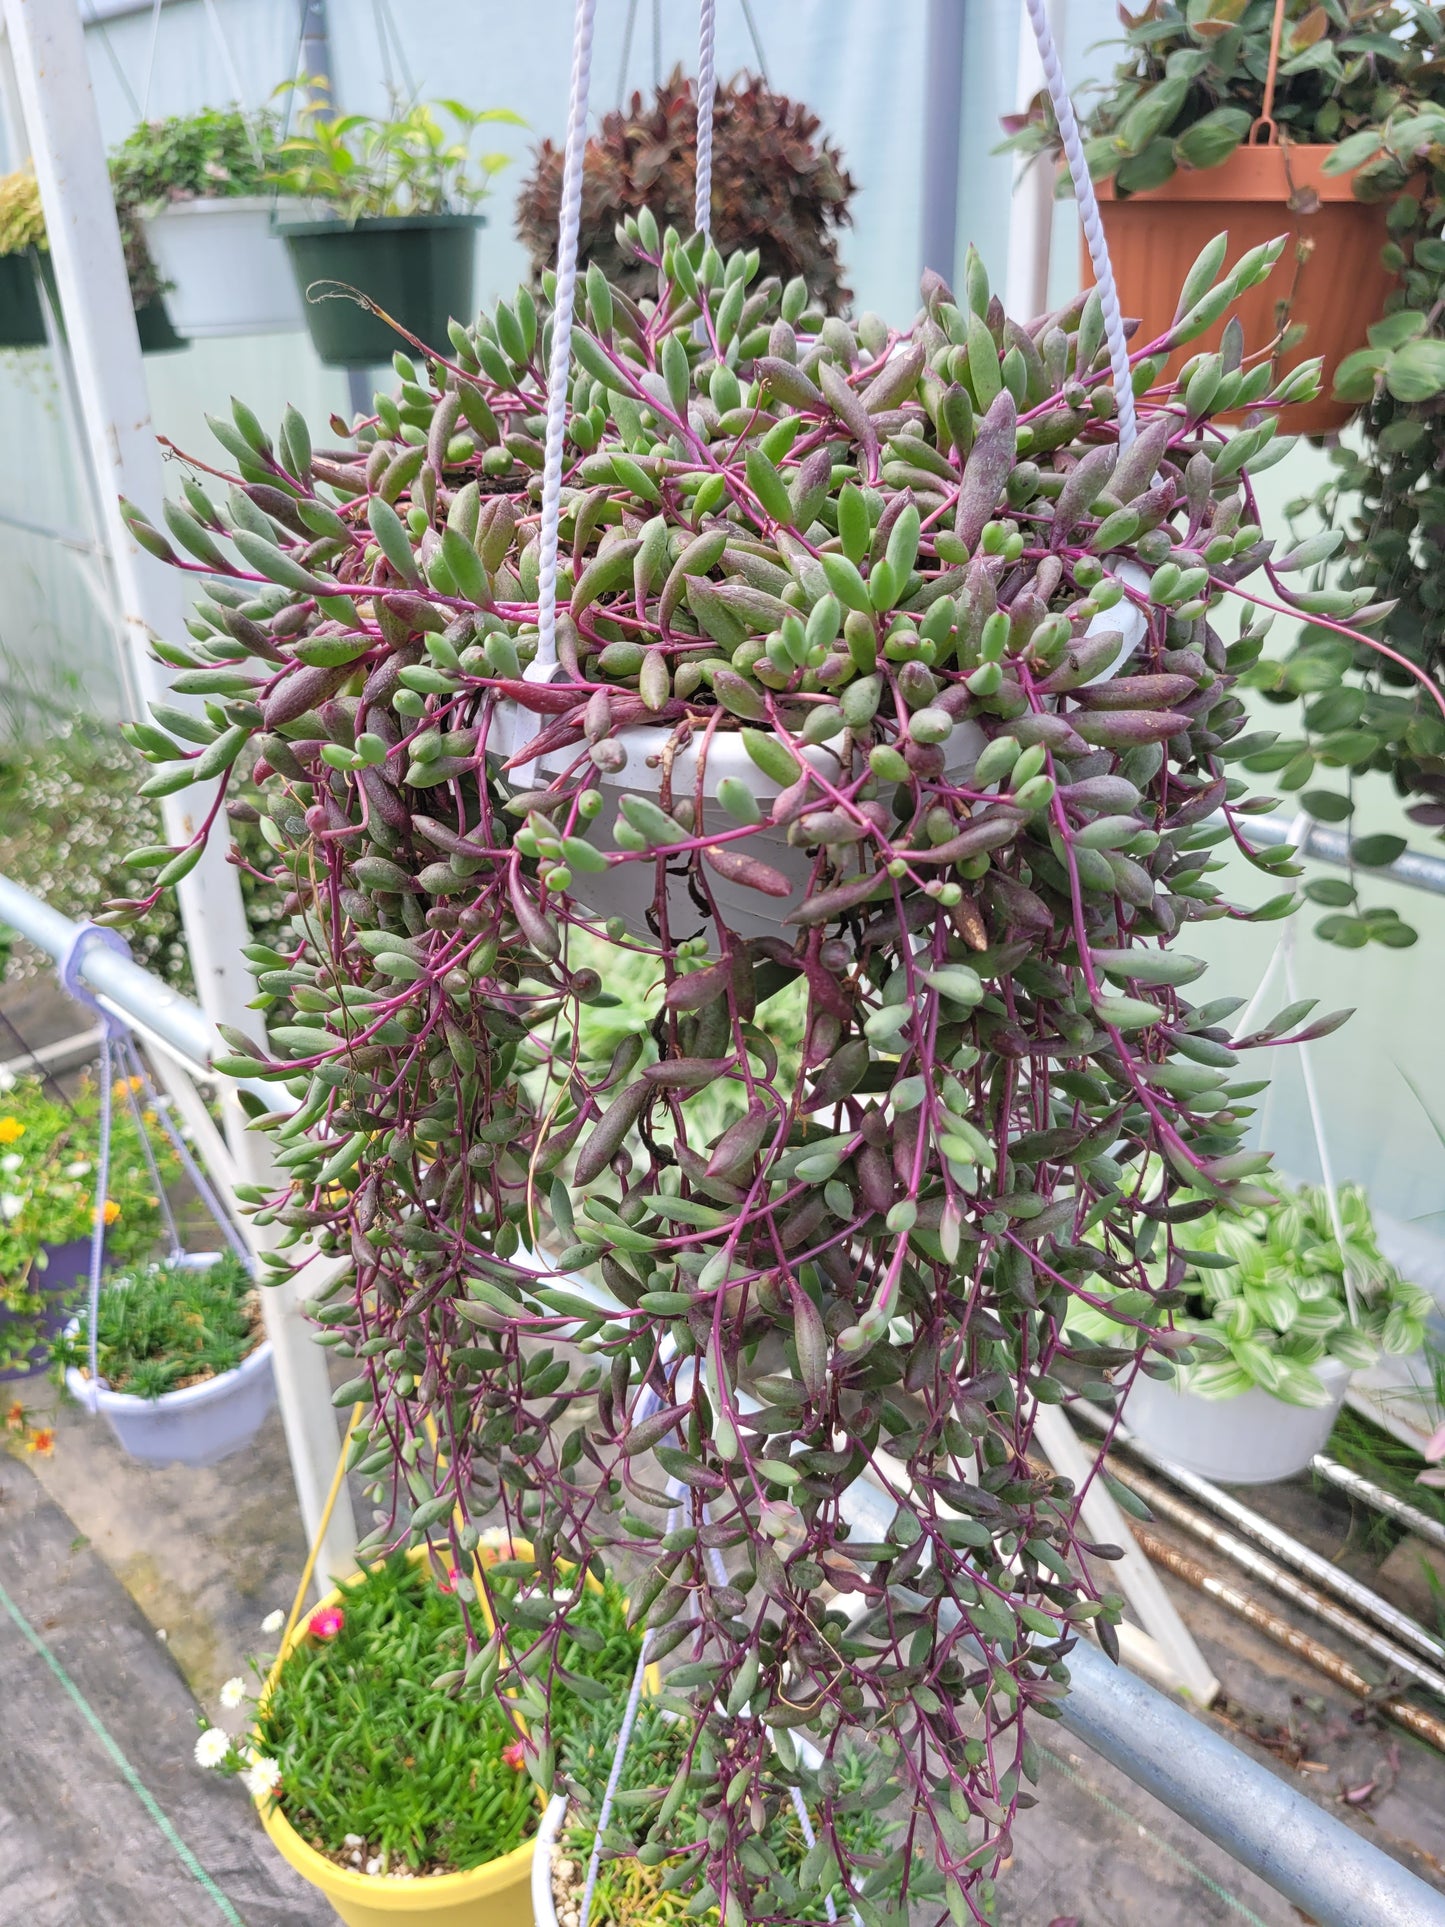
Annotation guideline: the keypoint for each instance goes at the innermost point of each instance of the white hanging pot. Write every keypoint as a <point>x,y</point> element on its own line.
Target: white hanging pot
<point>627,890</point>
<point>200,1425</point>
<point>544,1905</point>
<point>229,269</point>
<point>1253,1438</point>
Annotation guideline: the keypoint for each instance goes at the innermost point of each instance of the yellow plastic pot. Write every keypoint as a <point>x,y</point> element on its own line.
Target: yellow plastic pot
<point>496,1894</point>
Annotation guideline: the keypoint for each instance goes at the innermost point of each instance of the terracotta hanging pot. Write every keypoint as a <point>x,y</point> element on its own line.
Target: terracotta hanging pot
<point>1330,280</point>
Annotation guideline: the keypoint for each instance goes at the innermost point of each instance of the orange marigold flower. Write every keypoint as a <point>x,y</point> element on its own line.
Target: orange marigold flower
<point>15,1417</point>
<point>10,1129</point>
<point>42,1440</point>
<point>112,1211</point>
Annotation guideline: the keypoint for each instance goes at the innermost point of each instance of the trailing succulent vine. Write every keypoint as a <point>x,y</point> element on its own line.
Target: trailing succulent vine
<point>868,573</point>
<point>1366,77</point>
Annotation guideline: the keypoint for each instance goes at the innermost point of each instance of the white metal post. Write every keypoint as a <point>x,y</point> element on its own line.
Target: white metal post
<point>47,44</point>
<point>1031,216</point>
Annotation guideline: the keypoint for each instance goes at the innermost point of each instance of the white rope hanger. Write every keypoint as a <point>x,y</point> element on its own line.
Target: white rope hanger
<point>1089,218</point>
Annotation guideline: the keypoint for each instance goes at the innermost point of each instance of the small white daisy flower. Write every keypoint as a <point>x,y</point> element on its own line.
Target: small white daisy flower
<point>261,1777</point>
<point>273,1622</point>
<point>212,1747</point>
<point>12,1161</point>
<point>9,1205</point>
<point>233,1692</point>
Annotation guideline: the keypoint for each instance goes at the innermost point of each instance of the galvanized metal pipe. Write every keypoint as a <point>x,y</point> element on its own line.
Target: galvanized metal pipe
<point>131,991</point>
<point>1260,1820</point>
<point>1163,1503</point>
<point>1264,1532</point>
<point>1425,1725</point>
<point>1359,1487</point>
<point>1412,867</point>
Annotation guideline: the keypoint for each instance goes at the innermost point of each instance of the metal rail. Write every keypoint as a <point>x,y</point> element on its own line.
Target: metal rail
<point>1414,868</point>
<point>121,985</point>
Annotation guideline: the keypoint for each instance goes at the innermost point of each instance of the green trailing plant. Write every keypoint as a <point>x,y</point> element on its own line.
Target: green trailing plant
<point>779,185</point>
<point>22,219</point>
<point>1367,77</point>
<point>48,1148</point>
<point>363,166</point>
<point>880,571</point>
<point>216,154</point>
<point>1266,1298</point>
<point>165,1326</point>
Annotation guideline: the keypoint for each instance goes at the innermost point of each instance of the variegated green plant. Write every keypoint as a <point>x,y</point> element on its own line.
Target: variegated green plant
<point>1267,1302</point>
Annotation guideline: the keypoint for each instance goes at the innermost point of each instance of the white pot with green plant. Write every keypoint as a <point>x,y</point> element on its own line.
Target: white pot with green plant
<point>184,1368</point>
<point>1277,1332</point>
<point>202,188</point>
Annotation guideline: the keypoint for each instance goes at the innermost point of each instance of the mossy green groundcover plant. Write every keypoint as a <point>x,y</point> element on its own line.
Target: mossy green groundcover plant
<point>371,1754</point>
<point>165,1326</point>
<point>882,569</point>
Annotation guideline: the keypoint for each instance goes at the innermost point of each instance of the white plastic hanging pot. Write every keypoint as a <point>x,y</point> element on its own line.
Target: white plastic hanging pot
<point>229,269</point>
<point>1253,1438</point>
<point>627,890</point>
<point>544,1904</point>
<point>200,1425</point>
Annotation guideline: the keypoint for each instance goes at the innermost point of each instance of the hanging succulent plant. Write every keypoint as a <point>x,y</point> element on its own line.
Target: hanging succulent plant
<point>836,761</point>
<point>778,185</point>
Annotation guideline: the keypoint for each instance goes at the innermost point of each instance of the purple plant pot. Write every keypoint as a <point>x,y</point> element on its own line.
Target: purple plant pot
<point>66,1272</point>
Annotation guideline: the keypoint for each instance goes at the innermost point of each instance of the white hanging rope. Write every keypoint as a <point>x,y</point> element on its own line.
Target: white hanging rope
<point>1089,218</point>
<point>569,220</point>
<point>151,60</point>
<point>1282,957</point>
<point>706,94</point>
<point>119,1056</point>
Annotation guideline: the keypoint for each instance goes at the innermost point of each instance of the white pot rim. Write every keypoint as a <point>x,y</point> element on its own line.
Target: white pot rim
<point>544,1907</point>
<point>188,1398</point>
<point>213,205</point>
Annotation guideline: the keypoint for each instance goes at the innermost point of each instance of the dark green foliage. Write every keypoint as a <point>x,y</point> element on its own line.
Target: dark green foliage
<point>1367,77</point>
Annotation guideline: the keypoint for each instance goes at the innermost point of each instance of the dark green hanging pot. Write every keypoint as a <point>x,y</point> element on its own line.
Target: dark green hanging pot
<point>153,325</point>
<point>22,318</point>
<point>418,268</point>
